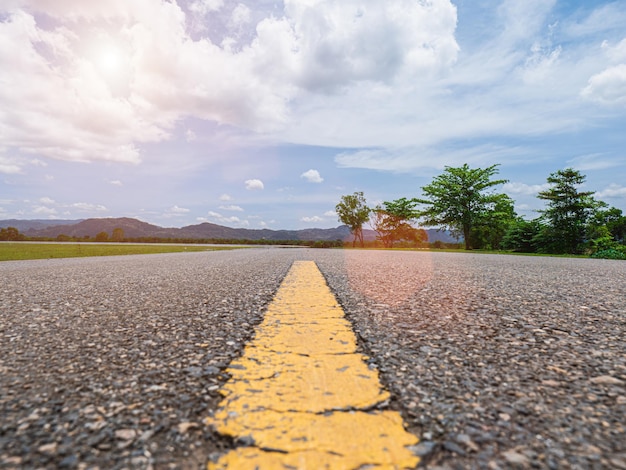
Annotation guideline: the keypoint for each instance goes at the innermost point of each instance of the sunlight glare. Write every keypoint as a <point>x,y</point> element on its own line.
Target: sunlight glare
<point>109,60</point>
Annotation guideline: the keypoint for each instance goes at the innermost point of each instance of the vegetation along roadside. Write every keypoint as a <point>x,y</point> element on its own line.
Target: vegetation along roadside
<point>26,251</point>
<point>463,201</point>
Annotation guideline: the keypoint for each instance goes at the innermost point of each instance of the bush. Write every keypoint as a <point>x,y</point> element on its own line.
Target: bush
<point>610,253</point>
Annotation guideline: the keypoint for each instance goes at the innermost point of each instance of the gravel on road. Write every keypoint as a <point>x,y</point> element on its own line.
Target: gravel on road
<point>496,361</point>
<point>493,361</point>
<point>115,362</point>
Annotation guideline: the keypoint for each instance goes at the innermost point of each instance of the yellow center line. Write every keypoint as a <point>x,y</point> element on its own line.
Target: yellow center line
<point>301,397</point>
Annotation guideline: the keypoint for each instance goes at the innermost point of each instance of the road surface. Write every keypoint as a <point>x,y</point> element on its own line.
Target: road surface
<point>491,361</point>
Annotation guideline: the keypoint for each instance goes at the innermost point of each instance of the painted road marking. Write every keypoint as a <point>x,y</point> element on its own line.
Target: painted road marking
<point>301,396</point>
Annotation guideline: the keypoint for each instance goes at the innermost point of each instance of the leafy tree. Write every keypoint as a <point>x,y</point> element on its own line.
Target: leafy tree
<point>608,222</point>
<point>490,233</point>
<point>352,210</point>
<point>102,237</point>
<point>117,235</point>
<point>568,212</point>
<point>11,234</point>
<point>458,200</point>
<point>392,222</point>
<point>521,235</point>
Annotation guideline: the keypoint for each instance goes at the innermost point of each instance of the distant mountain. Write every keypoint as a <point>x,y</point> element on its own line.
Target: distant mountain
<point>24,225</point>
<point>134,228</point>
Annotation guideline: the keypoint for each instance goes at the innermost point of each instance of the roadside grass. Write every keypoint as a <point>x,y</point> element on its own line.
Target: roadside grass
<point>461,250</point>
<point>28,251</point>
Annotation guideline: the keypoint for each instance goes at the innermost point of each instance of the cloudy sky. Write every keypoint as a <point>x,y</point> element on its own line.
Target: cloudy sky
<point>263,113</point>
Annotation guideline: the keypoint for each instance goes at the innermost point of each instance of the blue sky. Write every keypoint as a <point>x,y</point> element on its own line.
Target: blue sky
<point>262,114</point>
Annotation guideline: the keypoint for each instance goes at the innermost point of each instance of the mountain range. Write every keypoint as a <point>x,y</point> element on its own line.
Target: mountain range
<point>134,228</point>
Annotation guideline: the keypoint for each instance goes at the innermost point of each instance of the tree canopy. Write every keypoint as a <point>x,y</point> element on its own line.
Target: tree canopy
<point>568,211</point>
<point>458,200</point>
<point>352,210</point>
<point>392,222</point>
<point>465,202</point>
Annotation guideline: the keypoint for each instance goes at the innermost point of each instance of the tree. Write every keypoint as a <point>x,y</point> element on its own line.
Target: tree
<point>102,237</point>
<point>522,236</point>
<point>568,212</point>
<point>392,222</point>
<point>608,220</point>
<point>458,200</point>
<point>352,210</point>
<point>117,235</point>
<point>11,234</point>
<point>490,233</point>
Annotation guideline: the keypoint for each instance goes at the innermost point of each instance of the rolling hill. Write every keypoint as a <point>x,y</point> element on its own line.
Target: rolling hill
<point>134,228</point>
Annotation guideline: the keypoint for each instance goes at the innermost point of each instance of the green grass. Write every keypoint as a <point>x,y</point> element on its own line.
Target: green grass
<point>24,251</point>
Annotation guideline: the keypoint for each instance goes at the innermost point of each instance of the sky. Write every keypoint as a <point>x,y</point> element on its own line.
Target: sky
<point>262,114</point>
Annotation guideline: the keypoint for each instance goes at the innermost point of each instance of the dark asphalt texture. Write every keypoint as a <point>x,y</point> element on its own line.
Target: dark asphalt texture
<point>494,361</point>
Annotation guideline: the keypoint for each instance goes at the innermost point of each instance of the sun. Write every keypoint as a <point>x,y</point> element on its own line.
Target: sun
<point>109,60</point>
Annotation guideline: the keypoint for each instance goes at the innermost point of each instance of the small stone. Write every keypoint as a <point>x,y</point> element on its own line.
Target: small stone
<point>183,428</point>
<point>467,442</point>
<point>13,460</point>
<point>423,448</point>
<point>69,462</point>
<point>125,434</point>
<point>606,380</point>
<point>453,447</point>
<point>621,400</point>
<point>48,448</point>
<point>515,458</point>
<point>551,383</point>
<point>618,462</point>
<point>505,417</point>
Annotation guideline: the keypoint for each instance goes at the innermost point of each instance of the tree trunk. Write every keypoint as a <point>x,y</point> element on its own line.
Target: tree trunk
<point>466,236</point>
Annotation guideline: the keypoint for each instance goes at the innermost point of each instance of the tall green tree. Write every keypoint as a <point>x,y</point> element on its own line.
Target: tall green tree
<point>352,211</point>
<point>567,212</point>
<point>459,200</point>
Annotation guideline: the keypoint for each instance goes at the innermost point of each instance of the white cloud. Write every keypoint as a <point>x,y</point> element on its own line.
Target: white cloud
<point>116,183</point>
<point>411,159</point>
<point>312,176</point>
<point>615,53</point>
<point>218,218</point>
<point>330,214</point>
<point>524,189</point>
<point>44,210</point>
<point>87,207</point>
<point>241,15</point>
<point>8,166</point>
<point>254,184</point>
<point>46,200</point>
<point>203,7</point>
<point>593,162</point>
<point>343,42</point>
<point>315,218</point>
<point>178,210</point>
<point>190,135</point>
<point>81,91</point>
<point>226,197</point>
<point>232,207</point>
<point>608,87</point>
<point>612,191</point>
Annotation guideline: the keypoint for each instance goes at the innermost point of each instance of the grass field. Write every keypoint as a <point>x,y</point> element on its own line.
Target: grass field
<point>24,251</point>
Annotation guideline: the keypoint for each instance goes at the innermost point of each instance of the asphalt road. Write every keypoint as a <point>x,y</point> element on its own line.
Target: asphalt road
<point>493,361</point>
